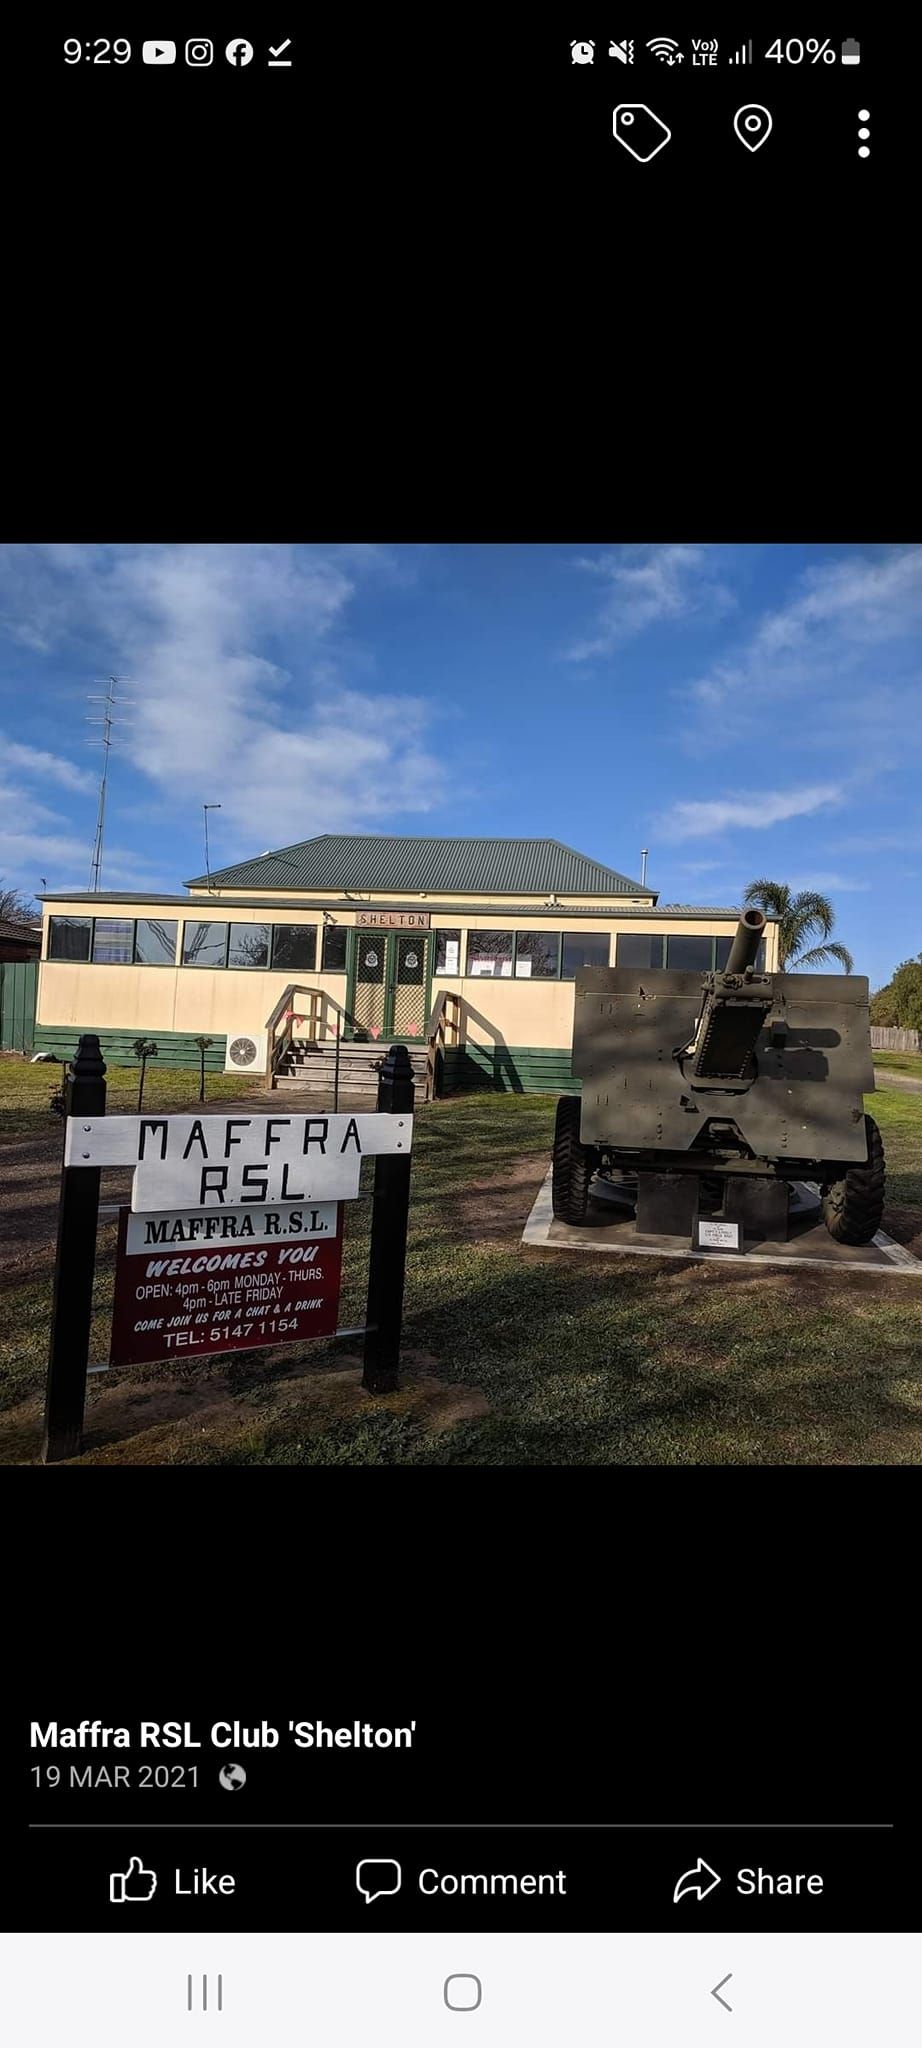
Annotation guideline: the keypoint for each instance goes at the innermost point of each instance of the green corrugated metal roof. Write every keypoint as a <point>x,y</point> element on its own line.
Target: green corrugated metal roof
<point>504,866</point>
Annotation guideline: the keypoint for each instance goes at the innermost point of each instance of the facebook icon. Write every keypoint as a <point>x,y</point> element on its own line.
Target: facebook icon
<point>239,53</point>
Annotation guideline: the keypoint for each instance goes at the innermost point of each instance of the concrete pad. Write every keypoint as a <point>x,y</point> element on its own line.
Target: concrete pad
<point>810,1243</point>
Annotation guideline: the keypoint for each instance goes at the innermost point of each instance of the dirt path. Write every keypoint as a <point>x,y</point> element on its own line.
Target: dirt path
<point>885,1079</point>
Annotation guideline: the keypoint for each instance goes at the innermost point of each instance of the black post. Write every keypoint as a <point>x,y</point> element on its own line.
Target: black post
<point>390,1212</point>
<point>74,1265</point>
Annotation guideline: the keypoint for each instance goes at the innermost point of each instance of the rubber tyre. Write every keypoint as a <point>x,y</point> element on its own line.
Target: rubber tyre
<point>574,1164</point>
<point>853,1207</point>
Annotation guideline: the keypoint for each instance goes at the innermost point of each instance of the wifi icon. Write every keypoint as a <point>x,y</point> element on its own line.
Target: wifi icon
<point>666,48</point>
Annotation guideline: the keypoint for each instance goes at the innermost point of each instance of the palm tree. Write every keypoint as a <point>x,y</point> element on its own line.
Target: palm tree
<point>800,918</point>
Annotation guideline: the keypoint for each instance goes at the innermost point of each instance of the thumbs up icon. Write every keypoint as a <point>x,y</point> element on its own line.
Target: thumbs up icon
<point>133,1883</point>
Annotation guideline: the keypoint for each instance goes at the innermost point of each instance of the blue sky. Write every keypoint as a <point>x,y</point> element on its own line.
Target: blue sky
<point>740,711</point>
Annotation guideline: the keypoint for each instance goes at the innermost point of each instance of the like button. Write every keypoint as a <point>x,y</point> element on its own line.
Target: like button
<point>133,1883</point>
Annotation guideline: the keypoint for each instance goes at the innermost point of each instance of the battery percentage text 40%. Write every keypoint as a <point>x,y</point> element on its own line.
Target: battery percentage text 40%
<point>794,51</point>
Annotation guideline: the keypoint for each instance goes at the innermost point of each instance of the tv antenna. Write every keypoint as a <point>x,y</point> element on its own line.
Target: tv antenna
<point>205,809</point>
<point>106,719</point>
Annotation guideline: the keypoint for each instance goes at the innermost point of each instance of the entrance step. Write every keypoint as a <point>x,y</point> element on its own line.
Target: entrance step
<point>313,1067</point>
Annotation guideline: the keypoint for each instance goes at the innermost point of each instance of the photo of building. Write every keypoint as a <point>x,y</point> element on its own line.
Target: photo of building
<point>475,941</point>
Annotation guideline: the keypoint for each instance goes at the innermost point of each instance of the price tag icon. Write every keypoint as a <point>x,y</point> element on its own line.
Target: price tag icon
<point>640,131</point>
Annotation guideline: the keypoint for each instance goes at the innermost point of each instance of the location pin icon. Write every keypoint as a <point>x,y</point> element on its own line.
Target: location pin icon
<point>752,125</point>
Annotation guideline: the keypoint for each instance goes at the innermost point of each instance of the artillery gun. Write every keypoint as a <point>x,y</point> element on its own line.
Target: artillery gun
<point>723,1092</point>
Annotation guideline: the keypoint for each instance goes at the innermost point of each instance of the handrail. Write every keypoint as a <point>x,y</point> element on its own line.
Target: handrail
<point>277,1048</point>
<point>436,1034</point>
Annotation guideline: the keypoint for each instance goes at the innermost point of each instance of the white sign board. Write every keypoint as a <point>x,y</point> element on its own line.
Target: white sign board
<point>190,1162</point>
<point>229,1226</point>
<point>199,1182</point>
<point>719,1236</point>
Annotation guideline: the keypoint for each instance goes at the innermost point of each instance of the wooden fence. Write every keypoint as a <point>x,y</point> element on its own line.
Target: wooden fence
<point>890,1038</point>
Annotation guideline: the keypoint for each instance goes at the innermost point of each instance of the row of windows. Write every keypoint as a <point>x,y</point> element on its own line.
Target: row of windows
<point>694,950</point>
<point>501,955</point>
<point>532,956</point>
<point>555,956</point>
<point>206,942</point>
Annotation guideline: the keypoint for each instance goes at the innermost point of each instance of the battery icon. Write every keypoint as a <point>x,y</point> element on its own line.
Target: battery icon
<point>851,53</point>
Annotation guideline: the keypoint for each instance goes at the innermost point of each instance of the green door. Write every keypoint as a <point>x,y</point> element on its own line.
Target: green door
<point>390,984</point>
<point>369,984</point>
<point>18,986</point>
<point>408,984</point>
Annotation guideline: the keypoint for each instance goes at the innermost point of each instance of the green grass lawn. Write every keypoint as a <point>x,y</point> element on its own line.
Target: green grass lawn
<point>516,1355</point>
<point>900,1062</point>
<point>25,1091</point>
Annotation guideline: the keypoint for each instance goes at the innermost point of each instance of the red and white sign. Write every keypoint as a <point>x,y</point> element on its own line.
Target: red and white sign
<point>189,1300</point>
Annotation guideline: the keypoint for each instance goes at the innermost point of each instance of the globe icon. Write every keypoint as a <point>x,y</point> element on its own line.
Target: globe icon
<point>232,1776</point>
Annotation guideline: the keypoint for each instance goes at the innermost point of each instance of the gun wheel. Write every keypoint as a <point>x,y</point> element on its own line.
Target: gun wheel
<point>573,1164</point>
<point>853,1207</point>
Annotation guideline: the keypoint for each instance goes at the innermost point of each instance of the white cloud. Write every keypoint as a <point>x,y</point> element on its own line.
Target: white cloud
<point>646,585</point>
<point>824,880</point>
<point>826,647</point>
<point>48,767</point>
<point>212,712</point>
<point>65,860</point>
<point>752,810</point>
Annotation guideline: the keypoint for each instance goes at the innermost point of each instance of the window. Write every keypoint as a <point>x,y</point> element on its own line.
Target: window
<point>689,950</point>
<point>639,949</point>
<point>489,953</point>
<point>294,945</point>
<point>249,945</point>
<point>204,944</point>
<point>584,949</point>
<point>113,939</point>
<point>155,941</point>
<point>69,938</point>
<point>537,956</point>
<point>723,954</point>
<point>334,948</point>
<point>448,952</point>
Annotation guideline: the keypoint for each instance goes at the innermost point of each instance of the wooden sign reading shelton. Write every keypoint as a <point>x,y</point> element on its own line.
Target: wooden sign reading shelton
<point>191,1162</point>
<point>394,920</point>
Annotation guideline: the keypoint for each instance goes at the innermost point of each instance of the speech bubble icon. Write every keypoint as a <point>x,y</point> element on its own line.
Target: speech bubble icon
<point>377,1878</point>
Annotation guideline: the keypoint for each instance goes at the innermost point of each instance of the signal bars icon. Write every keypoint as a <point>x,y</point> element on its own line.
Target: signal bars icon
<point>743,54</point>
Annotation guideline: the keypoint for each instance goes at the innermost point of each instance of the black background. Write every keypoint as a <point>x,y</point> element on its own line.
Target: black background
<point>415,291</point>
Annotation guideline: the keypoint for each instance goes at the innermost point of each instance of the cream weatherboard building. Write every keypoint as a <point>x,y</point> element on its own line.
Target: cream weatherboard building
<point>465,946</point>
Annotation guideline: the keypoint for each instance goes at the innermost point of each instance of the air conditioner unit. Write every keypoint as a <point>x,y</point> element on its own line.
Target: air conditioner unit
<point>247,1052</point>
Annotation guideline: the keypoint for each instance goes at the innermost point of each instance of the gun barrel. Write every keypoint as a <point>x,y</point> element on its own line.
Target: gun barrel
<point>746,941</point>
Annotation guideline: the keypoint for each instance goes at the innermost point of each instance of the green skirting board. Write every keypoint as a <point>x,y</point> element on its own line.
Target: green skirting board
<point>518,1069</point>
<point>174,1048</point>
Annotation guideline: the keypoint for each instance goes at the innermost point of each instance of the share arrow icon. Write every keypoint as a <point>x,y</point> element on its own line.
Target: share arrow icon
<point>701,1880</point>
